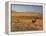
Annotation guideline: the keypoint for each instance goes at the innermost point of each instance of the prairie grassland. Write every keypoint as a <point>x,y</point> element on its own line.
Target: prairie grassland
<point>26,22</point>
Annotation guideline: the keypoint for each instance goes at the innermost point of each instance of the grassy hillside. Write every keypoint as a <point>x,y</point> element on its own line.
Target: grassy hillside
<point>26,22</point>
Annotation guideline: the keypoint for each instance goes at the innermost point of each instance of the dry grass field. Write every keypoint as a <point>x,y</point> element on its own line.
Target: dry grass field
<point>26,22</point>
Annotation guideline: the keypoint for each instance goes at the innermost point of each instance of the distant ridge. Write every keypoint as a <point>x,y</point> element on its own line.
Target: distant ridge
<point>27,12</point>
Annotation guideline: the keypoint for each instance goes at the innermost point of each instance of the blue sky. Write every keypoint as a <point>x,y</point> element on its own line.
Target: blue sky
<point>27,8</point>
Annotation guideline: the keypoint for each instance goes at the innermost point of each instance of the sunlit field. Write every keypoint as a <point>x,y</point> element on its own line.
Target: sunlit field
<point>26,21</point>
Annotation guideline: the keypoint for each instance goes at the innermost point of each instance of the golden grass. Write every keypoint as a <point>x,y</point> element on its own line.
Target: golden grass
<point>23,22</point>
<point>23,14</point>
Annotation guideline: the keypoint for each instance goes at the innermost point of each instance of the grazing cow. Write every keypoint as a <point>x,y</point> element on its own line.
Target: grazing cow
<point>33,20</point>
